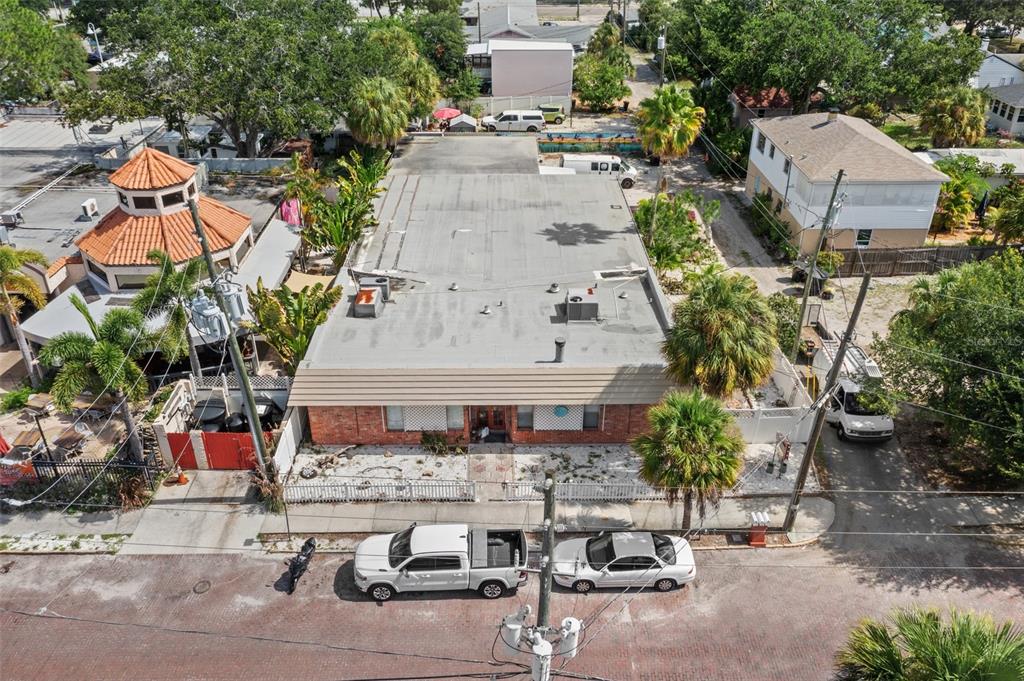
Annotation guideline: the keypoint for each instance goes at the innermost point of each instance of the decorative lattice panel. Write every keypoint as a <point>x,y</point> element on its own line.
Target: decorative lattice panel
<point>429,417</point>
<point>547,417</point>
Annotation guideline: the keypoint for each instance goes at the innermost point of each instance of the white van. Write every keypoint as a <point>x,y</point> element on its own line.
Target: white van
<point>596,164</point>
<point>852,419</point>
<point>515,121</point>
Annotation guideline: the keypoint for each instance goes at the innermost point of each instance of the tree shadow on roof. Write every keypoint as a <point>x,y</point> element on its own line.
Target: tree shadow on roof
<point>577,233</point>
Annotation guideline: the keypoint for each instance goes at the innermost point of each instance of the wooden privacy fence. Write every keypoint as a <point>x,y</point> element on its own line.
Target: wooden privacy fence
<point>71,477</point>
<point>890,262</point>
<point>353,489</point>
<point>529,490</point>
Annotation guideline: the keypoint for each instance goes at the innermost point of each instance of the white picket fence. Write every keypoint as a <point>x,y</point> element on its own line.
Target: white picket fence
<point>335,490</point>
<point>528,490</point>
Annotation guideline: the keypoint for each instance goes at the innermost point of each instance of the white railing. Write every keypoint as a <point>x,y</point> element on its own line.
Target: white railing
<point>293,427</point>
<point>334,490</point>
<point>760,426</point>
<point>528,490</point>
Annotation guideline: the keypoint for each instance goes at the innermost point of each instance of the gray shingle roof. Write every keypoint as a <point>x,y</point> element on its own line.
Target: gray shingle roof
<point>820,148</point>
<point>1011,94</point>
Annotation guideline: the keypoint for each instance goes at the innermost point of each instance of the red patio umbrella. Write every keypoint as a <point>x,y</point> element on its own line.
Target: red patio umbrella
<point>446,113</point>
<point>4,447</point>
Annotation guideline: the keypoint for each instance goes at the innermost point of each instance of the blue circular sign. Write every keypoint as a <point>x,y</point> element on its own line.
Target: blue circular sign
<point>561,410</point>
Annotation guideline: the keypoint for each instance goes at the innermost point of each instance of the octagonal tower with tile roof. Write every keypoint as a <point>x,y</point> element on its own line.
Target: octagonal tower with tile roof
<point>153,190</point>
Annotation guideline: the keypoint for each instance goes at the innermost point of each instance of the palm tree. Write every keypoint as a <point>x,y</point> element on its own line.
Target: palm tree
<point>378,112</point>
<point>170,292</point>
<point>13,280</point>
<point>1008,221</point>
<point>422,86</point>
<point>918,644</point>
<point>693,447</point>
<point>955,118</point>
<point>288,318</point>
<point>669,122</point>
<point>723,335</point>
<point>361,176</point>
<point>955,206</point>
<point>103,361</point>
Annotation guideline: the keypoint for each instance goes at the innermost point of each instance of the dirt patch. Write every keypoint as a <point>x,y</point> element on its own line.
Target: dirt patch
<point>927,444</point>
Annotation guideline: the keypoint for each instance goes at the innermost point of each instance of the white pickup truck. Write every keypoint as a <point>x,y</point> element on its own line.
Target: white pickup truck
<point>441,558</point>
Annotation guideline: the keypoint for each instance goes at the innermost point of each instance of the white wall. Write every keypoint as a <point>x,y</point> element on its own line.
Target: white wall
<point>773,169</point>
<point>995,72</point>
<point>516,73</point>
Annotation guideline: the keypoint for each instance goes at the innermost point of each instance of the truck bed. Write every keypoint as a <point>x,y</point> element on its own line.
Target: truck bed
<point>496,548</point>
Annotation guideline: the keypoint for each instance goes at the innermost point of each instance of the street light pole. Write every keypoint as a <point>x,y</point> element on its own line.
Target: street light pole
<point>236,354</point>
<point>825,397</point>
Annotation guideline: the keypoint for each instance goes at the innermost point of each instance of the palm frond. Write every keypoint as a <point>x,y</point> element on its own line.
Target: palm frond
<point>72,380</point>
<point>70,346</point>
<point>83,309</point>
<point>21,283</point>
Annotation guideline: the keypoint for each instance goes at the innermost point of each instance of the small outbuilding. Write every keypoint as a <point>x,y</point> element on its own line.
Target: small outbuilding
<point>462,123</point>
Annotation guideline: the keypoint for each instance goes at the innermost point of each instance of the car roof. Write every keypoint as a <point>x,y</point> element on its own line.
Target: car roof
<point>439,539</point>
<point>632,544</point>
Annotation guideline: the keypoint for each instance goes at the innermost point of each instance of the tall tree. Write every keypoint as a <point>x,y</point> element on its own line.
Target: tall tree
<point>102,361</point>
<point>955,118</point>
<point>14,280</point>
<point>35,56</point>
<point>250,66</point>
<point>723,335</point>
<point>598,83</point>
<point>1008,223</point>
<point>378,112</point>
<point>288,318</point>
<point>668,122</point>
<point>918,644</point>
<point>693,447</point>
<point>440,38</point>
<point>169,292</point>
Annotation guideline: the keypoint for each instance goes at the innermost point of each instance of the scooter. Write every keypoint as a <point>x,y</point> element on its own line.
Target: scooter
<point>298,565</point>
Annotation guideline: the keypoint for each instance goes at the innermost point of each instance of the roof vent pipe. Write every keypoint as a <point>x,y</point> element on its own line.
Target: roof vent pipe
<point>833,114</point>
<point>486,310</point>
<point>553,288</point>
<point>559,349</point>
<point>454,286</point>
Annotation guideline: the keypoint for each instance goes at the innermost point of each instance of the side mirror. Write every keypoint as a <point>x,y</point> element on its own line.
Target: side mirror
<point>404,572</point>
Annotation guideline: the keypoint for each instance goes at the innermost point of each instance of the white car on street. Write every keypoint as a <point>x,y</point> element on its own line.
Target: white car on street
<point>624,559</point>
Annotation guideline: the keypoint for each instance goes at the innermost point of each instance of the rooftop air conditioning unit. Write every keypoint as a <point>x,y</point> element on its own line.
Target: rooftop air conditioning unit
<point>10,218</point>
<point>383,283</point>
<point>89,208</point>
<point>369,302</point>
<point>581,304</point>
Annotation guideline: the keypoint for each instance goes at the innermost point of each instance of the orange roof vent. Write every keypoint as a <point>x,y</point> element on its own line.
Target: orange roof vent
<point>152,169</point>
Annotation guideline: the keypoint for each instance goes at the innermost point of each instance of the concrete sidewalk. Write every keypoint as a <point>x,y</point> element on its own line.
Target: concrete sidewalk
<point>57,523</point>
<point>816,515</point>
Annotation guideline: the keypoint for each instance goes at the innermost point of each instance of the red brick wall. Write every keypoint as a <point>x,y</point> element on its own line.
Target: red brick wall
<point>365,425</point>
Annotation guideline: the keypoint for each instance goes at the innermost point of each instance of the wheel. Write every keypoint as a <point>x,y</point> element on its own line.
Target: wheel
<point>627,183</point>
<point>491,128</point>
<point>381,592</point>
<point>583,587</point>
<point>558,120</point>
<point>665,584</point>
<point>841,433</point>
<point>492,590</point>
<point>532,128</point>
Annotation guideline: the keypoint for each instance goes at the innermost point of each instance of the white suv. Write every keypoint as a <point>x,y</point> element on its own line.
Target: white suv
<point>515,121</point>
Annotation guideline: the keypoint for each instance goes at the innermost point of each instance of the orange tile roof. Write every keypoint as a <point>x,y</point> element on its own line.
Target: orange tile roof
<point>152,169</point>
<point>123,239</point>
<point>59,264</point>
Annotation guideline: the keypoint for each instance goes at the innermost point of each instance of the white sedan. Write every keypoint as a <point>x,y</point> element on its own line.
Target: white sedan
<point>622,559</point>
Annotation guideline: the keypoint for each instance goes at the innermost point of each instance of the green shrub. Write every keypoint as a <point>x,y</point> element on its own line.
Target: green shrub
<point>15,399</point>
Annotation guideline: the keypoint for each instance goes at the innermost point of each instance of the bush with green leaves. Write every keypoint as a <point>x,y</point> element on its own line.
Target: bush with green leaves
<point>787,318</point>
<point>677,239</point>
<point>16,399</point>
<point>770,228</point>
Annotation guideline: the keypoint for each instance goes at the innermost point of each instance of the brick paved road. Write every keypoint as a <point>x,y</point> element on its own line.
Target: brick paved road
<point>752,615</point>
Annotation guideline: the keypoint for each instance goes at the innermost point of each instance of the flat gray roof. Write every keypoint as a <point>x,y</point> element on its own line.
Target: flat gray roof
<point>465,155</point>
<point>503,239</point>
<point>46,135</point>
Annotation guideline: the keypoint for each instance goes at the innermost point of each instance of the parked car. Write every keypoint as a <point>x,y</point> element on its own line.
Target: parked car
<point>601,164</point>
<point>515,121</point>
<point>441,558</point>
<point>553,113</point>
<point>847,413</point>
<point>621,559</point>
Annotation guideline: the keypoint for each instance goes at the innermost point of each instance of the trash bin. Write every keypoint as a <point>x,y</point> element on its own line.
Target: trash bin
<point>758,528</point>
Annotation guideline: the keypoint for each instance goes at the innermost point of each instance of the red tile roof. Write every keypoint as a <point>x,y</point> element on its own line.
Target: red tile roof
<point>59,264</point>
<point>152,169</point>
<point>766,98</point>
<point>123,239</point>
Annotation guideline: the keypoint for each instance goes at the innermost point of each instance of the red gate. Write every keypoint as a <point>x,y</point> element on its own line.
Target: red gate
<point>229,451</point>
<point>181,450</point>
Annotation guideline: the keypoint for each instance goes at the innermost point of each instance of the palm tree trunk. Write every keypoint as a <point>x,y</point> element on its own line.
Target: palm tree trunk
<point>687,509</point>
<point>193,356</point>
<point>134,441</point>
<point>26,351</point>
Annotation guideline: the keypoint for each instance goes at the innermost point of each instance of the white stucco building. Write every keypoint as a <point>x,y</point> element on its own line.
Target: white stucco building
<point>889,194</point>
<point>524,68</point>
<point>1006,109</point>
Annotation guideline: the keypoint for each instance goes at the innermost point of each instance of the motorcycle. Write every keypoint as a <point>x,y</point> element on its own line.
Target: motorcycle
<point>298,565</point>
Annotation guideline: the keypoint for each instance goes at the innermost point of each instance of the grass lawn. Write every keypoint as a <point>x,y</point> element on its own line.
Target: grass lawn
<point>908,135</point>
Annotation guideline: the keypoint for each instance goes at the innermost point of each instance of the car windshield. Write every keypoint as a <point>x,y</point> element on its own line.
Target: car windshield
<point>665,548</point>
<point>625,166</point>
<point>600,551</point>
<point>853,407</point>
<point>399,550</point>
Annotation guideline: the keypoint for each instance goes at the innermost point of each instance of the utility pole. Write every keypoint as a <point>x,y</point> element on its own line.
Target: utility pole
<point>479,27</point>
<point>236,354</point>
<point>826,225</point>
<point>547,565</point>
<point>624,4</point>
<point>662,46</point>
<point>825,396</point>
<point>577,10</point>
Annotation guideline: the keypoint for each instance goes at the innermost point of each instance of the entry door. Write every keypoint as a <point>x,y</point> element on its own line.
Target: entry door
<point>492,417</point>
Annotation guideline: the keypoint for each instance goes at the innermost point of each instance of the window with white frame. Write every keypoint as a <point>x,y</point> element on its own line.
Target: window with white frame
<point>394,419</point>
<point>786,165</point>
<point>592,416</point>
<point>757,184</point>
<point>524,417</point>
<point>771,151</point>
<point>123,198</point>
<point>863,238</point>
<point>1020,115</point>
<point>456,418</point>
<point>760,141</point>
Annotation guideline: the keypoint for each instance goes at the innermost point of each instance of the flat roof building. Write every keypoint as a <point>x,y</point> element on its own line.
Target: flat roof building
<point>519,303</point>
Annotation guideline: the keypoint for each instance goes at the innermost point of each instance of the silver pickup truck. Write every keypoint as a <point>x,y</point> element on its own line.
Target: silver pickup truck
<point>441,558</point>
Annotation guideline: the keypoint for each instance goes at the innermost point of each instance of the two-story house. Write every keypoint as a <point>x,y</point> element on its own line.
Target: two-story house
<point>888,194</point>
